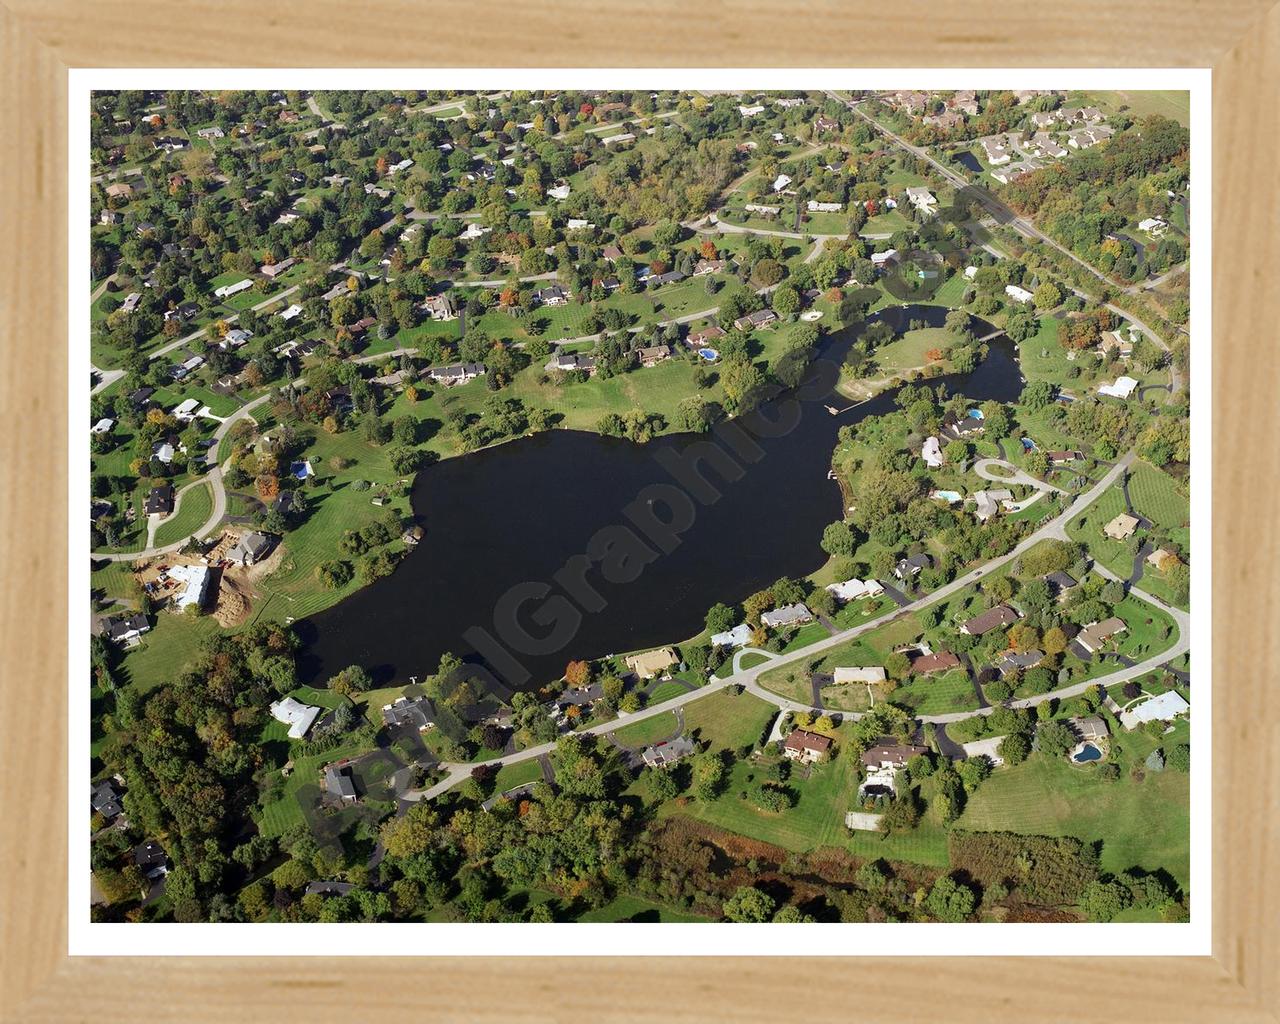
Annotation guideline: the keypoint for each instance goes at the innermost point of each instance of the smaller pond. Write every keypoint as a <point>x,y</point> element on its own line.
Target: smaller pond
<point>1088,752</point>
<point>967,159</point>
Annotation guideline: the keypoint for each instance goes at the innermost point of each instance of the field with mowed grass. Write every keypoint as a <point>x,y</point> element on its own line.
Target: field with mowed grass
<point>647,731</point>
<point>166,649</point>
<point>1159,497</point>
<point>195,508</point>
<point>728,720</point>
<point>1142,824</point>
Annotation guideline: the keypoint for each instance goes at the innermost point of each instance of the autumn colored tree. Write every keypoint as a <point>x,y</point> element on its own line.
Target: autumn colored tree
<point>577,673</point>
<point>268,486</point>
<point>708,249</point>
<point>381,166</point>
<point>1054,641</point>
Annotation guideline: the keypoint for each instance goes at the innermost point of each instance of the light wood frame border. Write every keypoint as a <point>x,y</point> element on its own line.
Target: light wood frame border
<point>41,39</point>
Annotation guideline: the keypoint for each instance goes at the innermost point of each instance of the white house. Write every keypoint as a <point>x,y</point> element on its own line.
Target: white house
<point>291,312</point>
<point>851,590</point>
<point>1153,226</point>
<point>1122,388</point>
<point>922,199</point>
<point>750,111</point>
<point>1164,708</point>
<point>579,224</point>
<point>196,578</point>
<point>1017,294</point>
<point>787,615</point>
<point>403,165</point>
<point>817,207</point>
<point>781,182</point>
<point>879,259</point>
<point>474,231</point>
<point>970,272</point>
<point>759,208</point>
<point>931,452</point>
<point>560,192</point>
<point>739,636</point>
<point>296,715</point>
<point>867,674</point>
<point>103,426</point>
<point>227,290</point>
<point>186,409</point>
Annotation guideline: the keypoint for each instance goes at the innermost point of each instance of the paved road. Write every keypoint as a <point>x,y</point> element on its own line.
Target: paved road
<point>1014,476</point>
<point>166,349</point>
<point>748,678</point>
<point>213,478</point>
<point>1005,216</point>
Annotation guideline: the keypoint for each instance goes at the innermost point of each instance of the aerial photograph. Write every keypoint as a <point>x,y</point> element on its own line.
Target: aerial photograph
<point>638,506</point>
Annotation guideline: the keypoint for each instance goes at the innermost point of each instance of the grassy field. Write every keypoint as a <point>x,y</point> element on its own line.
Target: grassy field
<point>1171,103</point>
<point>197,504</point>
<point>170,645</point>
<point>908,352</point>
<point>752,660</point>
<point>1159,497</point>
<point>727,720</point>
<point>1050,796</point>
<point>937,695</point>
<point>519,774</point>
<point>647,731</point>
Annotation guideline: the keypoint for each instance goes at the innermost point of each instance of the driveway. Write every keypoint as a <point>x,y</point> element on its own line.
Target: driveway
<point>1011,474</point>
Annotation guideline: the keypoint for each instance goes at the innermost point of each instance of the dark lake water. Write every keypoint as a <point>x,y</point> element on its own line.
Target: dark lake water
<point>967,159</point>
<point>703,518</point>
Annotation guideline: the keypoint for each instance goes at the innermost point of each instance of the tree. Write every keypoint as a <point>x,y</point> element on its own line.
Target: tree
<point>1178,758</point>
<point>1048,296</point>
<point>949,900</point>
<point>786,301</point>
<point>1015,748</point>
<point>897,665</point>
<point>708,775</point>
<point>1102,901</point>
<point>749,905</point>
<point>791,914</point>
<point>577,673</point>
<point>837,539</point>
<point>1055,738</point>
<point>721,618</point>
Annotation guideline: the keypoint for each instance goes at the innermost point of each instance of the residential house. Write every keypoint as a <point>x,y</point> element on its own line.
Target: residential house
<point>440,307</point>
<point>1090,728</point>
<point>105,799</point>
<point>787,615</point>
<point>663,755</point>
<point>851,590</point>
<point>883,259</point>
<point>109,217</point>
<point>572,362</point>
<point>1122,388</point>
<point>196,578</point>
<point>152,859</point>
<point>805,746</point>
<point>1153,226</point>
<point>186,410</point>
<point>119,190</point>
<point>290,312</point>
<point>227,290</point>
<point>1017,661</point>
<point>992,618</point>
<point>931,452</point>
<point>1121,527</point>
<point>327,887</point>
<point>817,207</point>
<point>651,663</point>
<point>750,111</point>
<point>274,270</point>
<point>739,636</point>
<point>947,120</point>
<point>1045,145</point>
<point>612,253</point>
<point>160,500</point>
<point>939,661</point>
<point>559,192</point>
<point>1018,294</point>
<point>822,123</point>
<point>252,547</point>
<point>762,209</point>
<point>1114,340</point>
<point>103,426</point>
<point>965,100</point>
<point>130,302</point>
<point>211,132</point>
<point>1095,635</point>
<point>141,397</point>
<point>922,199</point>
<point>995,151</point>
<point>1060,583</point>
<point>654,355</point>
<point>296,715</point>
<point>552,295</point>
<point>1062,457</point>
<point>709,267</point>
<point>987,503</point>
<point>883,762</point>
<point>867,674</point>
<point>1163,708</point>
<point>1162,558</point>
<point>455,373</point>
<point>418,713</point>
<point>699,339</point>
<point>1084,138</point>
<point>339,783</point>
<point>759,318</point>
<point>912,566</point>
<point>125,628</point>
<point>781,182</point>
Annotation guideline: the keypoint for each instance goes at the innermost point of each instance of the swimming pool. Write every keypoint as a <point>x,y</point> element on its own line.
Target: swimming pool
<point>1028,445</point>
<point>709,354</point>
<point>976,414</point>
<point>949,496</point>
<point>1088,752</point>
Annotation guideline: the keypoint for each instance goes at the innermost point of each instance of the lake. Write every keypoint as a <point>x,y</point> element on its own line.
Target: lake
<point>567,545</point>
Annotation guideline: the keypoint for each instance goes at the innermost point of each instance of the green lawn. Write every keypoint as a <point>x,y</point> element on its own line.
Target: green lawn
<point>1141,824</point>
<point>1171,103</point>
<point>908,352</point>
<point>727,720</point>
<point>1159,497</point>
<point>197,504</point>
<point>163,651</point>
<point>647,731</point>
<point>938,694</point>
<point>810,633</point>
<point>519,774</point>
<point>752,660</point>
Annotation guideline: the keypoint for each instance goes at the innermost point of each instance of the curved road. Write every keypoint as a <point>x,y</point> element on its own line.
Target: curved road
<point>213,478</point>
<point>748,678</point>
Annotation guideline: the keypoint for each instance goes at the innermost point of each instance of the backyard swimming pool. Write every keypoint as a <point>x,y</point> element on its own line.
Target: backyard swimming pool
<point>1088,752</point>
<point>709,354</point>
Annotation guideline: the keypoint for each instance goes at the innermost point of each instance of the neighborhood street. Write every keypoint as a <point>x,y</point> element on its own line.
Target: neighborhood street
<point>748,678</point>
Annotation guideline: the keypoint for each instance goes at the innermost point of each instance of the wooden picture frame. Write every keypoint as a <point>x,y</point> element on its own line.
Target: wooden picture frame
<point>41,39</point>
